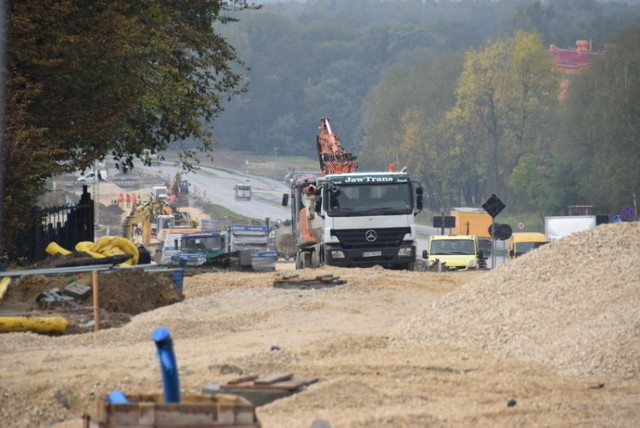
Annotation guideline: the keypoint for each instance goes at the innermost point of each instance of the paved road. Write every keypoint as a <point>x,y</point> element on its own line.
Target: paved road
<point>215,184</point>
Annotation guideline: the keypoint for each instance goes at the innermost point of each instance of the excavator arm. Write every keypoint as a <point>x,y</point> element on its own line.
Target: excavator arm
<point>334,159</point>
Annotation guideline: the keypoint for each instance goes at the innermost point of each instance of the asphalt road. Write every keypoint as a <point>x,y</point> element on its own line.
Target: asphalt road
<point>216,185</point>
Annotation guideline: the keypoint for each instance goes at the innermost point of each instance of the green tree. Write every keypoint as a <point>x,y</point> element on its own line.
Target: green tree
<point>90,79</point>
<point>505,96</point>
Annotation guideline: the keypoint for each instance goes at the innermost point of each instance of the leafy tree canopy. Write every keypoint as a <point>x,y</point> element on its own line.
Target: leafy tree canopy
<point>97,79</point>
<point>112,78</point>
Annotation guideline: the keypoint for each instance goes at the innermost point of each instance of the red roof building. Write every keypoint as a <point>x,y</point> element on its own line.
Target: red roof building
<point>572,61</point>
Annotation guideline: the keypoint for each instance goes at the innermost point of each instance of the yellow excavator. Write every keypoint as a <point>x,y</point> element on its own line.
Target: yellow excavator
<point>148,222</point>
<point>142,220</point>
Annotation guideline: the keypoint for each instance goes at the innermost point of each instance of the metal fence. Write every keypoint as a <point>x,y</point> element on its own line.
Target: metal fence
<point>66,225</point>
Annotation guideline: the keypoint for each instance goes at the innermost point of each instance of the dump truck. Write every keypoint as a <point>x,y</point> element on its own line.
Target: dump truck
<point>199,248</point>
<point>353,219</point>
<point>252,245</point>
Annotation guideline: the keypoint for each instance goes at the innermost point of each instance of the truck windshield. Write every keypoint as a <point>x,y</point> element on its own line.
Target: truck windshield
<point>452,246</point>
<point>369,199</point>
<point>202,244</point>
<point>524,247</point>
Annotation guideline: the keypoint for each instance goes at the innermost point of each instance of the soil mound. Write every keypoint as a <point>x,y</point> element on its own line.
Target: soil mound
<point>572,304</point>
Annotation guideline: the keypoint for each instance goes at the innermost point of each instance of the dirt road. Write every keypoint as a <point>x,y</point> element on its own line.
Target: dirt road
<point>550,339</point>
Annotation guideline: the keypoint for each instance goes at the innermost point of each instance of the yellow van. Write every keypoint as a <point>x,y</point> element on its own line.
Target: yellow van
<point>453,252</point>
<point>523,242</point>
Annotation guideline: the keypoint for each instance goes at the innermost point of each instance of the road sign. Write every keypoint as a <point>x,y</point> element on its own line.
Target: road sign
<point>616,219</point>
<point>444,221</point>
<point>521,226</point>
<point>493,206</point>
<point>500,231</point>
<point>628,213</point>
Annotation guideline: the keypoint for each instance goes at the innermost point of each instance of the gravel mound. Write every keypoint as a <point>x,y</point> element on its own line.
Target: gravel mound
<point>572,305</point>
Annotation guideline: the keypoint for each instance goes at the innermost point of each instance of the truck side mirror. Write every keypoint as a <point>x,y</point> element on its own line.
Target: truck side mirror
<point>425,254</point>
<point>285,199</point>
<point>419,192</point>
<point>480,255</point>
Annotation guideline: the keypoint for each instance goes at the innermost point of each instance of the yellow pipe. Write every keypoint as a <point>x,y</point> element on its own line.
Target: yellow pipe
<point>53,248</point>
<point>45,325</point>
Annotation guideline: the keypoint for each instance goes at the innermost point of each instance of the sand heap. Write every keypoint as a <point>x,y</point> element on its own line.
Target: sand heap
<point>573,305</point>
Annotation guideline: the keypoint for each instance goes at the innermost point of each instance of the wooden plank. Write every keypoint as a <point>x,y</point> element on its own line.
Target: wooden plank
<point>4,286</point>
<point>273,377</point>
<point>288,385</point>
<point>243,379</point>
<point>295,382</point>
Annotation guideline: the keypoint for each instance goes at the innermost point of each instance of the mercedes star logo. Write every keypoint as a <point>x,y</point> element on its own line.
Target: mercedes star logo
<point>370,235</point>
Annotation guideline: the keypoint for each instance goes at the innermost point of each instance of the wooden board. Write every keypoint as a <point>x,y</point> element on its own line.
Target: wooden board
<point>193,411</point>
<point>4,286</point>
<point>273,377</point>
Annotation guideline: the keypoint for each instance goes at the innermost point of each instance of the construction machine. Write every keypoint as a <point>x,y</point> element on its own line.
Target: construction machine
<point>239,247</point>
<point>180,191</point>
<point>347,218</point>
<point>149,222</point>
<point>334,159</point>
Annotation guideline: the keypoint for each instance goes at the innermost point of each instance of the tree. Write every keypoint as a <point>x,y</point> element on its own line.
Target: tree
<point>505,95</point>
<point>90,79</point>
<point>601,116</point>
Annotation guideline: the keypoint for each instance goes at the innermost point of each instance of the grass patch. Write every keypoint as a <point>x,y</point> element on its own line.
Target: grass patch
<point>226,216</point>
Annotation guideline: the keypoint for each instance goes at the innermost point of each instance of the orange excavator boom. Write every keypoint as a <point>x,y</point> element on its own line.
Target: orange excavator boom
<point>334,159</point>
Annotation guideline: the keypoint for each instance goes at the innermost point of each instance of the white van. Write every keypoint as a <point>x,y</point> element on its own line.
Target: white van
<point>243,191</point>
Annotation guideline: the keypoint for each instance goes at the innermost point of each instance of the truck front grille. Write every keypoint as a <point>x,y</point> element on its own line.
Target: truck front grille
<point>357,238</point>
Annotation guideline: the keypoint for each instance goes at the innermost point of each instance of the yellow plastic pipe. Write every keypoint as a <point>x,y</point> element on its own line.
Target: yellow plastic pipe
<point>45,325</point>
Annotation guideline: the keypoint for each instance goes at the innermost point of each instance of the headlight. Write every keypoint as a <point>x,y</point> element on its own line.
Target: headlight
<point>473,264</point>
<point>405,252</point>
<point>337,254</point>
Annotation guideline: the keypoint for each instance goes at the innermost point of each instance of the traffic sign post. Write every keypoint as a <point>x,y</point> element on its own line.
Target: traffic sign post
<point>628,213</point>
<point>494,206</point>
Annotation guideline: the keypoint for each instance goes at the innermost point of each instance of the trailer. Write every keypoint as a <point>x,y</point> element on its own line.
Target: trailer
<point>556,227</point>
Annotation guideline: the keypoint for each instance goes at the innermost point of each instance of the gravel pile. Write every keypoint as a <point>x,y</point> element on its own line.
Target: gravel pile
<point>572,305</point>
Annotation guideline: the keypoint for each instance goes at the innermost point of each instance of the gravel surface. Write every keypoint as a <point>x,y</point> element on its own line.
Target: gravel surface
<point>549,339</point>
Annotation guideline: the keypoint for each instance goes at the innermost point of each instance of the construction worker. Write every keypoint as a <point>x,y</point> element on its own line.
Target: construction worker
<point>121,200</point>
<point>128,199</point>
<point>133,200</point>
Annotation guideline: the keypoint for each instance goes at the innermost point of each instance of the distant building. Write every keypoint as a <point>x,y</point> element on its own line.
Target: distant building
<point>572,61</point>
